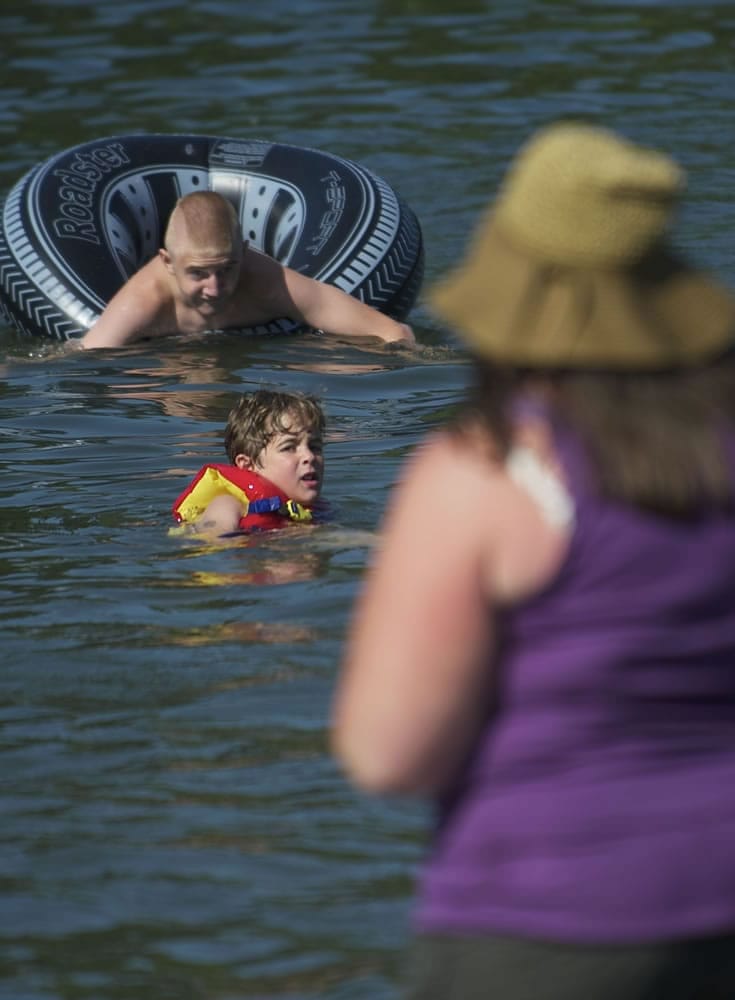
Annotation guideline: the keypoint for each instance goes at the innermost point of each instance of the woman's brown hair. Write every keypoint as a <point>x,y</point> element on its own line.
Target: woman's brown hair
<point>663,442</point>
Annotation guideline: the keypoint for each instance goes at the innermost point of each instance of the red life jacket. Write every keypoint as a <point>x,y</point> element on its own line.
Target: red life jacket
<point>267,506</point>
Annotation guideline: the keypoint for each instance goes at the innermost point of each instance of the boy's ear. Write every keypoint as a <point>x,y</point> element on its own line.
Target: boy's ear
<point>244,462</point>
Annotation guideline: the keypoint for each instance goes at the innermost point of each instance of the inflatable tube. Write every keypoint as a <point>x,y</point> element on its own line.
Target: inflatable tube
<point>77,226</point>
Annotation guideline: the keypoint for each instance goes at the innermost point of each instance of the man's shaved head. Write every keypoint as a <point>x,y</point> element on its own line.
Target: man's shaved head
<point>205,223</point>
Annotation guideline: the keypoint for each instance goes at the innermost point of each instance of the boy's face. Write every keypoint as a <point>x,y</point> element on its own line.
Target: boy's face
<point>293,459</point>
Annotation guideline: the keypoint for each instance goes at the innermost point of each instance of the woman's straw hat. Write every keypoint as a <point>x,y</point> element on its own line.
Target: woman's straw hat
<point>570,268</point>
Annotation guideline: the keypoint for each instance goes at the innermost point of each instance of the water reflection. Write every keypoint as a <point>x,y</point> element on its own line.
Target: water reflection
<point>267,571</point>
<point>238,632</point>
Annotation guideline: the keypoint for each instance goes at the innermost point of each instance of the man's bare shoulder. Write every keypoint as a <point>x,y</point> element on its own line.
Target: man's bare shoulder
<point>143,307</point>
<point>255,265</point>
<point>262,286</point>
<point>148,298</point>
<point>153,278</point>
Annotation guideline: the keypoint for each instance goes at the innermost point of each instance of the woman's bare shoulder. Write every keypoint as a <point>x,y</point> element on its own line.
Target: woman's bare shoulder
<point>493,511</point>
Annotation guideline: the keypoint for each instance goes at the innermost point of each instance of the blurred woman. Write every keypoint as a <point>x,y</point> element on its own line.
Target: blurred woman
<point>545,644</point>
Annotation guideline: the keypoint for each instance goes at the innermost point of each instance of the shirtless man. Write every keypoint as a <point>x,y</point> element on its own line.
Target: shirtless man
<point>205,278</point>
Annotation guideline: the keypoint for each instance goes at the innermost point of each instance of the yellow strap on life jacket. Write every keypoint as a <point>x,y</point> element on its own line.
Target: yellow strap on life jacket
<point>210,485</point>
<point>297,513</point>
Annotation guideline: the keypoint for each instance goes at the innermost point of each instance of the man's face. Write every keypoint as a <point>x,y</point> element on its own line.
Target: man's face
<point>206,281</point>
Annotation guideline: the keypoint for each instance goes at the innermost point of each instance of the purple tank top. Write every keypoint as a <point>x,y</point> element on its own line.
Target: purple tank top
<point>599,804</point>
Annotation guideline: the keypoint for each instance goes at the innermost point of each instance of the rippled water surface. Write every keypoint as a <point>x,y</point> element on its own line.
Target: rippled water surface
<point>173,825</point>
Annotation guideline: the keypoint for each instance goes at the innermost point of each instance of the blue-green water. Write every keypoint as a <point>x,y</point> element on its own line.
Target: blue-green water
<point>172,823</point>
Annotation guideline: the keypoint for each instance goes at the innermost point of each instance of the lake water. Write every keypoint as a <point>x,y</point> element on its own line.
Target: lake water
<point>173,826</point>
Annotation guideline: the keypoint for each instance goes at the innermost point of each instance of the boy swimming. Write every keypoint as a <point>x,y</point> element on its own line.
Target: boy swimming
<point>274,441</point>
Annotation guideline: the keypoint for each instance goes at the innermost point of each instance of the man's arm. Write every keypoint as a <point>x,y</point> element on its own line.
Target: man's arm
<point>322,306</point>
<point>131,313</point>
<point>328,308</point>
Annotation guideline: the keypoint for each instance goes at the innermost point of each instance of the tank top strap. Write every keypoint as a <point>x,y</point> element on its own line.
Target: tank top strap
<point>558,498</point>
<point>542,485</point>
